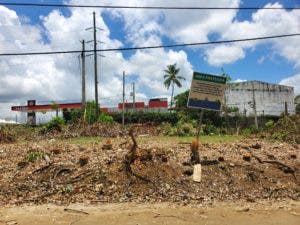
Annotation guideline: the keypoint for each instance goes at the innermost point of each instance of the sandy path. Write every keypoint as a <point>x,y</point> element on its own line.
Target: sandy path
<point>144,214</point>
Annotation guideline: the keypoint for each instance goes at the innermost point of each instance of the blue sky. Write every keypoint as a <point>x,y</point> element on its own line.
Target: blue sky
<point>276,61</point>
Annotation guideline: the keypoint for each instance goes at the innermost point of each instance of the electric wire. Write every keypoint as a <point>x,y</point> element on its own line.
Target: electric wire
<point>142,7</point>
<point>150,47</point>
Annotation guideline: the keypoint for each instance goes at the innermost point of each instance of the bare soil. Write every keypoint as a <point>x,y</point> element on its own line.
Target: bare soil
<point>279,213</point>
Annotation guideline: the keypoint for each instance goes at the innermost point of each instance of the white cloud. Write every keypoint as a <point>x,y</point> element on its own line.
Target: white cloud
<point>293,81</point>
<point>239,80</point>
<point>56,77</point>
<point>224,54</point>
<point>264,23</point>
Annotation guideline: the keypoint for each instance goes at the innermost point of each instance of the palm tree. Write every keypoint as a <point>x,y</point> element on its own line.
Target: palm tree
<point>171,77</point>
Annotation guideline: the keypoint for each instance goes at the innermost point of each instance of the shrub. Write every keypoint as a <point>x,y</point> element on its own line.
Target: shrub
<point>246,131</point>
<point>56,123</point>
<point>210,129</point>
<point>105,118</point>
<point>72,116</point>
<point>146,117</point>
<point>34,156</point>
<point>269,123</point>
<point>179,129</point>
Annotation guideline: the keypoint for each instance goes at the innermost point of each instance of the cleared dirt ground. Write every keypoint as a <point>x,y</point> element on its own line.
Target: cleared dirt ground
<point>284,212</point>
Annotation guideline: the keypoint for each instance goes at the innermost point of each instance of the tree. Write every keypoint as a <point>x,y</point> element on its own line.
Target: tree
<point>171,77</point>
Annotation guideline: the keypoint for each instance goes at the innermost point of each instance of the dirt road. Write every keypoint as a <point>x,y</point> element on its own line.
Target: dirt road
<point>144,214</point>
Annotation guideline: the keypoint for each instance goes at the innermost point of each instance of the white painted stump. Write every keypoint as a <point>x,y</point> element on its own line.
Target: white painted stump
<point>197,173</point>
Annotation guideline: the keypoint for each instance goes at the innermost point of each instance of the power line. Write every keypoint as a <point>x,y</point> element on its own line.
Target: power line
<point>151,47</point>
<point>143,7</point>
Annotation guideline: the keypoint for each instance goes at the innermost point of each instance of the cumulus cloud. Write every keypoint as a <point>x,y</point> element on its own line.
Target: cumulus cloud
<point>262,23</point>
<point>224,54</point>
<point>293,81</point>
<point>58,77</point>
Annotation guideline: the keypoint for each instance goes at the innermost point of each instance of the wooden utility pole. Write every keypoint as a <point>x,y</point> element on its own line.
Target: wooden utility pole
<point>133,95</point>
<point>123,105</point>
<point>95,64</point>
<point>83,98</point>
<point>254,106</point>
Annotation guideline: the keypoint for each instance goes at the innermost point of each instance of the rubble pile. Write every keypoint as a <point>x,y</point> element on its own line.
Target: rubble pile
<point>61,173</point>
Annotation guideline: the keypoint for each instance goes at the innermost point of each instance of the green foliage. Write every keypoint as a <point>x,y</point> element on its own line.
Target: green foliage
<point>210,129</point>
<point>146,117</point>
<point>246,131</point>
<point>72,116</point>
<point>179,129</point>
<point>56,123</point>
<point>171,77</point>
<point>103,118</point>
<point>269,123</point>
<point>298,108</point>
<point>90,112</point>
<point>286,129</point>
<point>33,156</point>
<point>67,189</point>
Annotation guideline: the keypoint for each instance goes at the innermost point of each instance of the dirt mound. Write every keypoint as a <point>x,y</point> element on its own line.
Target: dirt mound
<point>55,173</point>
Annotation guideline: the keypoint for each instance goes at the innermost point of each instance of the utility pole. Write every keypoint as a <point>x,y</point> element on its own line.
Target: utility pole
<point>83,76</point>
<point>254,106</point>
<point>123,106</point>
<point>95,64</point>
<point>133,95</point>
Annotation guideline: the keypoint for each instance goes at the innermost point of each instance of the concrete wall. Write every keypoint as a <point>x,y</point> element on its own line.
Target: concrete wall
<point>270,98</point>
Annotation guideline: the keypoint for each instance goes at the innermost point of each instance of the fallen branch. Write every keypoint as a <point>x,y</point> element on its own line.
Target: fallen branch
<point>75,211</point>
<point>283,167</point>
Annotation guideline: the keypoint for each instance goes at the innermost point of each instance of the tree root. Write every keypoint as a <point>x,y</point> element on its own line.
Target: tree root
<point>130,158</point>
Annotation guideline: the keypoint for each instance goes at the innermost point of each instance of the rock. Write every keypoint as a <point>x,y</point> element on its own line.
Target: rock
<point>168,187</point>
<point>231,164</point>
<point>256,146</point>
<point>197,173</point>
<point>221,158</point>
<point>247,157</point>
<point>83,160</point>
<point>47,158</point>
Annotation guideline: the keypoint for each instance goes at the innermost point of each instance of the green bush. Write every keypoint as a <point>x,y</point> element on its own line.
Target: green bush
<point>56,123</point>
<point>103,118</point>
<point>246,131</point>
<point>72,116</point>
<point>210,129</point>
<point>34,156</point>
<point>146,117</point>
<point>179,129</point>
<point>269,123</point>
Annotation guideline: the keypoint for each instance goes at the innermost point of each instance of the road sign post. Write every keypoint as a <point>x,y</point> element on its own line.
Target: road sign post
<point>206,93</point>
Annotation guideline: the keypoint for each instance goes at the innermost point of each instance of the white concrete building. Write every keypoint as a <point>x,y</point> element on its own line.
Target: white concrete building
<point>270,99</point>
